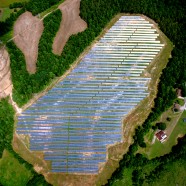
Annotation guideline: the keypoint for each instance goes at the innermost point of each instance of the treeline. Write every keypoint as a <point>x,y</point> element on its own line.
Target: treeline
<point>140,165</point>
<point>6,135</point>
<point>34,6</point>
<point>6,124</point>
<point>17,5</point>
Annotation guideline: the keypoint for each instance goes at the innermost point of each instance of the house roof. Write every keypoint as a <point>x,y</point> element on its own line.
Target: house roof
<point>161,135</point>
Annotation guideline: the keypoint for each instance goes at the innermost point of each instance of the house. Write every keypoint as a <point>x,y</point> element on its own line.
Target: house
<point>161,136</point>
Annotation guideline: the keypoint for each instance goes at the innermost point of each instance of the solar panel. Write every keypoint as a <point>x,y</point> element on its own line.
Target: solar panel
<point>77,119</point>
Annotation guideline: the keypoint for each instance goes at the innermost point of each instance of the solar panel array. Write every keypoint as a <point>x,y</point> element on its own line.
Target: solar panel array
<point>75,121</point>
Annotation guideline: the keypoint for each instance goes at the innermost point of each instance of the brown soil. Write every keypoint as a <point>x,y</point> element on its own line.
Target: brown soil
<point>5,75</point>
<point>27,32</point>
<point>71,24</point>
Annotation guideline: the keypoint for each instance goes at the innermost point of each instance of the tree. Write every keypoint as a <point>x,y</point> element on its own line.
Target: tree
<point>161,126</point>
<point>168,119</point>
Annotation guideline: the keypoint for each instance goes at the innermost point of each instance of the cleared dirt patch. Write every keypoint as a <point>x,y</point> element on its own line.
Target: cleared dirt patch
<point>5,75</point>
<point>71,24</point>
<point>27,32</point>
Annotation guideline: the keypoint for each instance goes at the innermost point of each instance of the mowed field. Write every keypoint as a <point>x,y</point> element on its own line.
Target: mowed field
<point>5,13</point>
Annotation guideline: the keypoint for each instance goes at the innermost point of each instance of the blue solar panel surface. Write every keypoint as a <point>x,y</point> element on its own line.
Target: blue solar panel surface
<point>76,120</point>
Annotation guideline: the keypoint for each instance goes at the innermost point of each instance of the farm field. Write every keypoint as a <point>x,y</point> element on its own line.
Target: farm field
<point>5,13</point>
<point>77,119</point>
<point>6,3</point>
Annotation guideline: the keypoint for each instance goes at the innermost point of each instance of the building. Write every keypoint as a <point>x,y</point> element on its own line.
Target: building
<point>161,136</point>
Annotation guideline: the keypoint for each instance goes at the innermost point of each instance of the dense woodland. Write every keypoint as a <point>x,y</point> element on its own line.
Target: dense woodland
<point>170,16</point>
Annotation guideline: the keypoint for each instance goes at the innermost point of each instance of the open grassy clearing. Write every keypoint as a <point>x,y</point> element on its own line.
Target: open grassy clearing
<point>159,149</point>
<point>6,3</point>
<point>5,13</point>
<point>12,172</point>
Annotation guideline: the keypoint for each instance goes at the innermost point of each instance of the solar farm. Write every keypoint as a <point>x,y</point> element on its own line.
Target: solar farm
<point>75,122</point>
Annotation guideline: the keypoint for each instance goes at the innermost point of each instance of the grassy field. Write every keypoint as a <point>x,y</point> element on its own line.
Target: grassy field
<point>12,173</point>
<point>6,3</point>
<point>5,13</point>
<point>158,149</point>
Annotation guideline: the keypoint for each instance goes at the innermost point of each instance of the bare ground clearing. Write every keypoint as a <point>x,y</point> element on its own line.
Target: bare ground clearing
<point>27,32</point>
<point>5,75</point>
<point>71,24</point>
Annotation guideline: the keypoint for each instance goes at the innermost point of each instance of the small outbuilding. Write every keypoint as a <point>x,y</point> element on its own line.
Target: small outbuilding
<point>161,136</point>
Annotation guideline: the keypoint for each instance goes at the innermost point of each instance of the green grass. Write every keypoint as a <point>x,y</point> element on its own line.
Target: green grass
<point>12,173</point>
<point>6,3</point>
<point>180,101</point>
<point>158,149</point>
<point>5,13</point>
<point>175,174</point>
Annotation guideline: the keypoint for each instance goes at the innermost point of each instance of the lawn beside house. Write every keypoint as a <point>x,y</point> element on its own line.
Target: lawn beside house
<point>159,149</point>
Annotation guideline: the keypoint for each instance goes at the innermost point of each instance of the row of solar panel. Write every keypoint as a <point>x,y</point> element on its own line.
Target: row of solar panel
<point>79,109</point>
<point>122,82</point>
<point>70,142</point>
